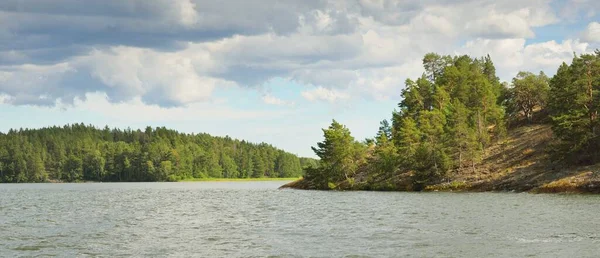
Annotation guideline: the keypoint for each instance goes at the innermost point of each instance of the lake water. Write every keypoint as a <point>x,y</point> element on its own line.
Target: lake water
<point>254,219</point>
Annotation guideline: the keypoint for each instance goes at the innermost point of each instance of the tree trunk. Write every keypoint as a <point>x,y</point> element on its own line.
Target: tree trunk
<point>592,112</point>
<point>479,127</point>
<point>460,157</point>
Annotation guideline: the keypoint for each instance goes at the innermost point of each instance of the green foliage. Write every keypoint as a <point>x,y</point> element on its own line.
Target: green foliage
<point>385,158</point>
<point>434,65</point>
<point>83,153</point>
<point>331,186</point>
<point>407,140</point>
<point>73,168</point>
<point>259,167</point>
<point>340,156</point>
<point>288,166</point>
<point>574,105</point>
<point>463,136</point>
<point>308,163</point>
<point>529,91</point>
<point>430,165</point>
<point>450,113</point>
<point>230,169</point>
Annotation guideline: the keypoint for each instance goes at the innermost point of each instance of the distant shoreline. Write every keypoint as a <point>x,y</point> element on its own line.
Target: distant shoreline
<point>262,179</point>
<point>239,179</point>
<point>82,153</point>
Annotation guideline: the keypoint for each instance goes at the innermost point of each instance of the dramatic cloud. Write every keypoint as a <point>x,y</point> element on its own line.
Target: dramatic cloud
<point>123,73</point>
<point>174,53</point>
<point>510,18</point>
<point>162,24</point>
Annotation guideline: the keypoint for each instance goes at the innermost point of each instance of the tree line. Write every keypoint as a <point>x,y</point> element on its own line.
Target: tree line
<point>84,153</point>
<point>458,108</point>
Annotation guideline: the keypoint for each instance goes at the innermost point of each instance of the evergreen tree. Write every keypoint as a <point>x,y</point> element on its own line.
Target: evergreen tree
<point>339,156</point>
<point>450,114</point>
<point>385,159</point>
<point>258,166</point>
<point>79,152</point>
<point>574,105</point>
<point>73,169</point>
<point>230,169</point>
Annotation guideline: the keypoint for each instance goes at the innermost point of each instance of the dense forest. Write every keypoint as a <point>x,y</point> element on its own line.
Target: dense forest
<point>84,153</point>
<point>453,113</point>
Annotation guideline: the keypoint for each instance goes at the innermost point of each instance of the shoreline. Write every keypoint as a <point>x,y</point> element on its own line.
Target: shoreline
<point>563,186</point>
<point>262,179</point>
<point>265,179</point>
<point>518,163</point>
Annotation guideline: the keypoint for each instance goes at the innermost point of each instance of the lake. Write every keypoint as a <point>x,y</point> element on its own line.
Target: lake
<point>255,219</point>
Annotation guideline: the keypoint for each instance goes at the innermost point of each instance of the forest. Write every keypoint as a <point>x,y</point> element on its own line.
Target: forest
<point>79,152</point>
<point>453,113</point>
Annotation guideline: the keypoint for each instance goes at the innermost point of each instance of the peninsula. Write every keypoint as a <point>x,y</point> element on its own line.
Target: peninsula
<point>459,129</point>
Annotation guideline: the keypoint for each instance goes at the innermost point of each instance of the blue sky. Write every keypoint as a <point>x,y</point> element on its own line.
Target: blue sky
<point>266,71</point>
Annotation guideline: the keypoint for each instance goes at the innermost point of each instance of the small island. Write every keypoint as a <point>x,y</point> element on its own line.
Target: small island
<point>458,128</point>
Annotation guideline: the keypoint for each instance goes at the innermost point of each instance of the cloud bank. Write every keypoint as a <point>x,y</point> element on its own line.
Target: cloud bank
<point>174,53</point>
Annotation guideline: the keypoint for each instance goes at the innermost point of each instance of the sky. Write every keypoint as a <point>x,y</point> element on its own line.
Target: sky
<point>274,71</point>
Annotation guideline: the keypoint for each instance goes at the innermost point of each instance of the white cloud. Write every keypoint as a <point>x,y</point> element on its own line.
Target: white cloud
<point>512,55</point>
<point>341,49</point>
<point>492,18</point>
<point>551,54</point>
<point>576,9</point>
<point>166,78</point>
<point>272,100</point>
<point>4,99</point>
<point>185,11</point>
<point>135,110</point>
<point>36,84</point>
<point>323,94</point>
<point>501,25</point>
<point>386,83</point>
<point>592,32</point>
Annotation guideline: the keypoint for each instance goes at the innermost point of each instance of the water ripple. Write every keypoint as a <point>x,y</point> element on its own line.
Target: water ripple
<point>254,219</point>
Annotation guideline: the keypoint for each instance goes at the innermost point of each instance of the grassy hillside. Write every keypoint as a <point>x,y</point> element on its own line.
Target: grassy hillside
<point>521,163</point>
<point>518,163</point>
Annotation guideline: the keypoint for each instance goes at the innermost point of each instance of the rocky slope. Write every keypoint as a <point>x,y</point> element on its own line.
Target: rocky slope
<point>518,163</point>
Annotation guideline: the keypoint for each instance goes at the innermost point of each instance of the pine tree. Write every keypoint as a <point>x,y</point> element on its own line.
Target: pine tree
<point>230,169</point>
<point>131,155</point>
<point>340,156</point>
<point>73,169</point>
<point>385,159</point>
<point>574,104</point>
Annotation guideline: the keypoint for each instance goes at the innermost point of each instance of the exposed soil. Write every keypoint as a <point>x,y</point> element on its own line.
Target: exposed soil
<point>518,163</point>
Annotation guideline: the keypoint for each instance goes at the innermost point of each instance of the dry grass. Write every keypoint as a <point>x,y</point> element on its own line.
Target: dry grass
<point>520,163</point>
<point>454,186</point>
<point>511,163</point>
<point>517,163</point>
<point>567,184</point>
